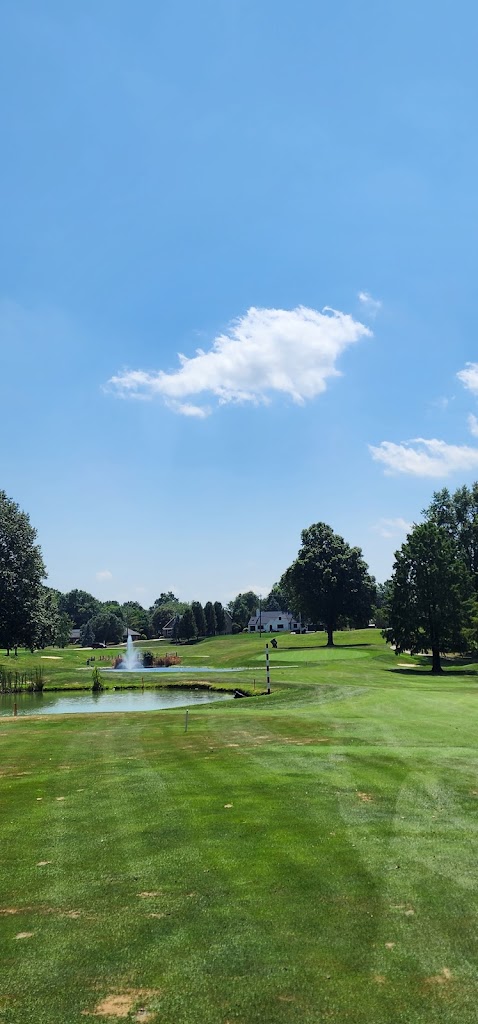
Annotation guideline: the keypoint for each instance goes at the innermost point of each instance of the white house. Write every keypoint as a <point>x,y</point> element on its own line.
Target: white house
<point>273,622</point>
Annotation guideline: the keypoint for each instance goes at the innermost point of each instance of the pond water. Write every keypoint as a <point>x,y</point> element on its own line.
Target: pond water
<point>173,669</point>
<point>91,703</point>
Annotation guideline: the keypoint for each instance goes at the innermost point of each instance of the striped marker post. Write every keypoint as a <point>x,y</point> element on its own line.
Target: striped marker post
<point>268,670</point>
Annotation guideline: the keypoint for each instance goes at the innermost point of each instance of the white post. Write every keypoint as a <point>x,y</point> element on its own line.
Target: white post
<point>268,670</point>
<point>186,721</point>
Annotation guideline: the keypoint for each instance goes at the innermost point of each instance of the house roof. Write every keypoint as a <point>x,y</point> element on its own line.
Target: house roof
<point>270,617</point>
<point>170,623</point>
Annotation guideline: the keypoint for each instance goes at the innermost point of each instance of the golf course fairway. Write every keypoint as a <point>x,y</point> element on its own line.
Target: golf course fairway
<point>308,856</point>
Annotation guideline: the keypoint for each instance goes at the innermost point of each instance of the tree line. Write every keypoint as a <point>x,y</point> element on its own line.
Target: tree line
<point>34,615</point>
<point>429,604</point>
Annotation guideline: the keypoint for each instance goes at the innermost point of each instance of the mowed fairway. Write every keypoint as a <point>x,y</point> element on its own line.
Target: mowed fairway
<point>308,856</point>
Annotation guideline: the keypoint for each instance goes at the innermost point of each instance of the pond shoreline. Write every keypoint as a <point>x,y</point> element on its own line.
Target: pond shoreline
<point>185,684</point>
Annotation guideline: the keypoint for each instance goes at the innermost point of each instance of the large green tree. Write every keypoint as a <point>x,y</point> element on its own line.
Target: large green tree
<point>457,513</point>
<point>328,580</point>
<point>79,606</point>
<point>431,586</point>
<point>21,573</point>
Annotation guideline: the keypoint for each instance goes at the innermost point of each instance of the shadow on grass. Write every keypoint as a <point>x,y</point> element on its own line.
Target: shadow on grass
<point>322,647</point>
<point>426,671</point>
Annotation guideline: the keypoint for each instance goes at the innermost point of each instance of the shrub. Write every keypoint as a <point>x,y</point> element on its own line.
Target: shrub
<point>97,682</point>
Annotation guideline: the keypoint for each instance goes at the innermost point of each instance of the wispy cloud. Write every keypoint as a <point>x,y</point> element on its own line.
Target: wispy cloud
<point>393,527</point>
<point>266,351</point>
<point>469,377</point>
<point>473,425</point>
<point>442,403</point>
<point>425,458</point>
<point>103,575</point>
<point>370,305</point>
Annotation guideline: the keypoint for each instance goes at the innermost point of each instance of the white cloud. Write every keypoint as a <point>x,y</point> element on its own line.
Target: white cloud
<point>469,377</point>
<point>427,458</point>
<point>187,409</point>
<point>473,425</point>
<point>290,352</point>
<point>393,527</point>
<point>370,305</point>
<point>103,575</point>
<point>442,403</point>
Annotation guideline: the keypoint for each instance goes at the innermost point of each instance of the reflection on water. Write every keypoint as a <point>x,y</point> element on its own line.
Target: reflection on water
<point>90,703</point>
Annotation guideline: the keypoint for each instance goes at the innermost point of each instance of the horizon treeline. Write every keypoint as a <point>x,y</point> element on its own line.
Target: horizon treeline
<point>106,621</point>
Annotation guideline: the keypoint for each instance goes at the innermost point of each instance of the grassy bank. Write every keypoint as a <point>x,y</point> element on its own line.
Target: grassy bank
<point>308,856</point>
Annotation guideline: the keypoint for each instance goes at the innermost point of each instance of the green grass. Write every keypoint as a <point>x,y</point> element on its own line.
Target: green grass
<point>308,856</point>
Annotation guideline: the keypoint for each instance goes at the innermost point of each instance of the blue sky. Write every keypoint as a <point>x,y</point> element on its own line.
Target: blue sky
<point>222,176</point>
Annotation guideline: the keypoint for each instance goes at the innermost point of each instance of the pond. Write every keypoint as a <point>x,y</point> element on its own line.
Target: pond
<point>90,703</point>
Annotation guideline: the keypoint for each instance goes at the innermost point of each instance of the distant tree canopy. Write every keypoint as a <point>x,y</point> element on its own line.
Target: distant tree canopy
<point>276,600</point>
<point>53,627</point>
<point>162,613</point>
<point>21,573</point>
<point>210,617</point>
<point>114,607</point>
<point>136,617</point>
<point>199,618</point>
<point>430,591</point>
<point>187,625</point>
<point>243,606</point>
<point>87,634</point>
<point>164,598</point>
<point>79,606</point>
<point>457,513</point>
<point>107,627</point>
<point>220,617</point>
<point>381,607</point>
<point>328,580</point>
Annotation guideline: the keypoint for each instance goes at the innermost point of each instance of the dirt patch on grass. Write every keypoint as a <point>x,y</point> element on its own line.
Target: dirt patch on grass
<point>11,911</point>
<point>51,657</point>
<point>407,909</point>
<point>121,1004</point>
<point>24,935</point>
<point>443,978</point>
<point>148,895</point>
<point>366,798</point>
